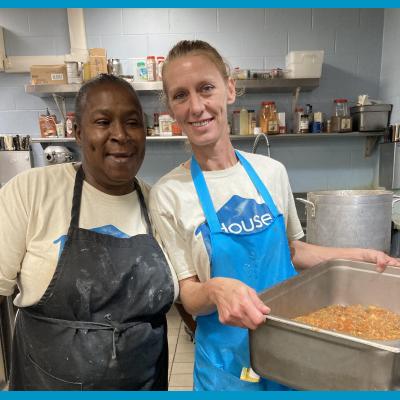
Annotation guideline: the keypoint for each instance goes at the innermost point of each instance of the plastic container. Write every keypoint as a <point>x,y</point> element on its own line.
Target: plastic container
<point>160,63</point>
<point>341,120</point>
<point>304,64</point>
<point>141,70</point>
<point>244,122</point>
<point>151,68</point>
<point>269,122</point>
<point>341,109</point>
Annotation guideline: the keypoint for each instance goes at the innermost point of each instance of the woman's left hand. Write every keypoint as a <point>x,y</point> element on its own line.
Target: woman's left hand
<point>381,259</point>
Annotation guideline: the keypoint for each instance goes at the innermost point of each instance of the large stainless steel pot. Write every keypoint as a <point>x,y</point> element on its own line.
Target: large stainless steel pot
<point>349,218</point>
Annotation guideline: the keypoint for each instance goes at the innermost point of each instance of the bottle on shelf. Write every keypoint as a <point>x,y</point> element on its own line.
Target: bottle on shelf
<point>269,122</point>
<point>341,120</point>
<point>235,122</point>
<point>309,112</point>
<point>304,126</point>
<point>244,122</point>
<point>252,122</point>
<point>151,68</point>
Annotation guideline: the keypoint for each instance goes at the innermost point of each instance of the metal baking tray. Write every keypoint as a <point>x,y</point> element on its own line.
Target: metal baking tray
<point>308,358</point>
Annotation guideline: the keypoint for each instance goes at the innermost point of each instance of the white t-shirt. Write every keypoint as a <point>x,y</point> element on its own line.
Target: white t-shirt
<point>179,218</point>
<point>35,213</point>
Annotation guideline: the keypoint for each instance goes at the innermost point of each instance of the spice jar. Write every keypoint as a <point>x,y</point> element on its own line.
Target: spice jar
<point>176,129</point>
<point>69,124</point>
<point>151,68</point>
<point>160,63</point>
<point>269,122</point>
<point>165,121</point>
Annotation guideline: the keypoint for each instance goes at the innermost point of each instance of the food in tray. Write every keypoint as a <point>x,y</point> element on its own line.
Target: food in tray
<point>370,322</point>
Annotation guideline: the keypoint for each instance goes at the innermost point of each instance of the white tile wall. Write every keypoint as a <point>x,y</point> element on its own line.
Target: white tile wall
<point>188,20</point>
<point>230,20</point>
<point>103,21</point>
<point>145,20</point>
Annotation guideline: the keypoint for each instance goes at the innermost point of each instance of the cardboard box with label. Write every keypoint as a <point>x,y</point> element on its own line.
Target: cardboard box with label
<point>97,61</point>
<point>49,74</point>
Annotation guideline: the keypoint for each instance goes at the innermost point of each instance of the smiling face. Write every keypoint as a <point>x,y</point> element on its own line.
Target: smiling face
<point>198,96</point>
<point>112,138</point>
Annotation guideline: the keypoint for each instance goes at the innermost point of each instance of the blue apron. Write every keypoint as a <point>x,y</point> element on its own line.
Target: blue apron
<point>260,260</point>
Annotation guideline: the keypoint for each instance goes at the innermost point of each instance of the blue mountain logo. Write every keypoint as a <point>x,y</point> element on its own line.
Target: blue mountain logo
<point>105,230</point>
<point>239,216</point>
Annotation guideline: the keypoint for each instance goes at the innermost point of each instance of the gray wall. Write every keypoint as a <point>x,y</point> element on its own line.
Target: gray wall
<point>249,38</point>
<point>390,82</point>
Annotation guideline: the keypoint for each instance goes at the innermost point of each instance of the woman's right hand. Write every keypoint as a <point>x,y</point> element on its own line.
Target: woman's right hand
<point>237,303</point>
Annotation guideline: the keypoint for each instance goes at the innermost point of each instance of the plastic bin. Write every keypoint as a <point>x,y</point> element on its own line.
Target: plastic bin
<point>304,64</point>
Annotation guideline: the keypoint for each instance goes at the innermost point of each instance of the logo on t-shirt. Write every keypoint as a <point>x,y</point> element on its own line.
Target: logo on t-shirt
<point>105,230</point>
<point>239,216</point>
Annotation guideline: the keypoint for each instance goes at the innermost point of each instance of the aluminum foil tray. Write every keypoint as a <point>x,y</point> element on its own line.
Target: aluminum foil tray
<point>308,358</point>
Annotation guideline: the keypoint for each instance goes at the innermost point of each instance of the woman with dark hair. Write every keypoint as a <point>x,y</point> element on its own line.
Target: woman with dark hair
<point>94,285</point>
<point>226,219</point>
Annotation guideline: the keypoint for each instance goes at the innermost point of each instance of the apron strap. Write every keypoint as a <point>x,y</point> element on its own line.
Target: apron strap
<point>204,197</point>
<point>143,206</point>
<point>77,197</point>
<point>258,184</point>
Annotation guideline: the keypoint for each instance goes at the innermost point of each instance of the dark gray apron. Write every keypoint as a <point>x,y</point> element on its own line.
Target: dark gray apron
<point>101,323</point>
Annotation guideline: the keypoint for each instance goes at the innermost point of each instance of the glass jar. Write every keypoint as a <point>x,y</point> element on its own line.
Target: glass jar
<point>269,122</point>
<point>341,120</point>
<point>341,108</point>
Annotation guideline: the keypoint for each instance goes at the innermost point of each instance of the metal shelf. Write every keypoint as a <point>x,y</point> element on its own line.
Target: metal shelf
<point>72,89</point>
<point>277,85</point>
<point>286,136</point>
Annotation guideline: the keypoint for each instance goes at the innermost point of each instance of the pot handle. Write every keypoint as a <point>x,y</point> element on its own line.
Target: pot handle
<point>308,203</point>
<point>396,199</point>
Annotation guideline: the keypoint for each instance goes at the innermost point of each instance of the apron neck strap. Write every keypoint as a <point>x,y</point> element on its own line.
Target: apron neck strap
<point>258,184</point>
<point>143,206</point>
<point>77,197</point>
<point>204,196</point>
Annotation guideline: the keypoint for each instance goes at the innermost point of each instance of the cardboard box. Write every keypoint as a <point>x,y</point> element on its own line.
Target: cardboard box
<point>49,74</point>
<point>97,61</point>
<point>98,65</point>
<point>97,52</point>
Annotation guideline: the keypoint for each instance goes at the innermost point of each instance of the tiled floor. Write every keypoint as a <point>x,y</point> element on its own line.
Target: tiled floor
<point>181,354</point>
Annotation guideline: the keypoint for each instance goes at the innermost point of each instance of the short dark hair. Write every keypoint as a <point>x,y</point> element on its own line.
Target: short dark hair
<point>99,80</point>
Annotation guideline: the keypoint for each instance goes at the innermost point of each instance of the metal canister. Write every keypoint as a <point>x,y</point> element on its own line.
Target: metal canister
<point>114,66</point>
